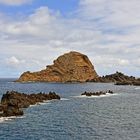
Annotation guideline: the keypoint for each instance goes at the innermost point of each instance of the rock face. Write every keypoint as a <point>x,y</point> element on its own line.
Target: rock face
<point>12,102</point>
<point>119,79</point>
<point>70,67</point>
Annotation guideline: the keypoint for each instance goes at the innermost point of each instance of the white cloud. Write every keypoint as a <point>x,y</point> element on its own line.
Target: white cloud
<point>120,12</point>
<point>136,63</point>
<point>39,38</point>
<point>15,2</point>
<point>13,61</point>
<point>123,62</point>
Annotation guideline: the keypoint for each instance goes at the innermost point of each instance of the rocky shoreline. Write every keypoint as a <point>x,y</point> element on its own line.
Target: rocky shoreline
<point>13,102</point>
<point>99,93</point>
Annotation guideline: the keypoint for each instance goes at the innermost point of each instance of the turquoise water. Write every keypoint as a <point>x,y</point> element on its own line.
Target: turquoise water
<point>111,117</point>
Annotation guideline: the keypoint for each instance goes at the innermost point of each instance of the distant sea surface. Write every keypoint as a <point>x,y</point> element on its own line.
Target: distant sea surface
<point>111,117</point>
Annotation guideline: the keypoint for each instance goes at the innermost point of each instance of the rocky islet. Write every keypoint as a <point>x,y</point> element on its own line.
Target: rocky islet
<point>70,67</point>
<point>98,93</point>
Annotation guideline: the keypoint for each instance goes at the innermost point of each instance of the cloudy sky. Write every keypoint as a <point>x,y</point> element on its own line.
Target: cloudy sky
<point>35,32</point>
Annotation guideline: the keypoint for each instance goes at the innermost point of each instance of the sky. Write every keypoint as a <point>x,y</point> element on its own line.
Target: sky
<point>33,33</point>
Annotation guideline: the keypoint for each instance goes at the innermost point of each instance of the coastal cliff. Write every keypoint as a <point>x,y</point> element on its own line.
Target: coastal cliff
<point>70,67</point>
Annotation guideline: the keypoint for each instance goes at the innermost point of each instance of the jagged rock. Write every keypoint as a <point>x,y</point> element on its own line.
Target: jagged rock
<point>12,102</point>
<point>118,78</point>
<point>70,67</point>
<point>99,93</point>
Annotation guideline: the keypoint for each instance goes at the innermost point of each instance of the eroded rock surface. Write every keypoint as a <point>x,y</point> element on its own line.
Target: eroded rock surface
<point>70,67</point>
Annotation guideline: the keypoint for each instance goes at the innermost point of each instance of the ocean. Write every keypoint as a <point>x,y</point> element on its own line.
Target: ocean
<point>74,117</point>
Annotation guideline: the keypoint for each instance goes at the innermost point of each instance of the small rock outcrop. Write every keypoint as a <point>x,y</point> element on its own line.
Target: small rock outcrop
<point>119,79</point>
<point>70,67</point>
<point>99,93</point>
<point>12,102</point>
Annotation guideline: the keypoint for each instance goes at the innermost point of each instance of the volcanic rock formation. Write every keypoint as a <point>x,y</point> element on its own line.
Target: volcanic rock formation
<point>119,79</point>
<point>12,102</point>
<point>70,67</point>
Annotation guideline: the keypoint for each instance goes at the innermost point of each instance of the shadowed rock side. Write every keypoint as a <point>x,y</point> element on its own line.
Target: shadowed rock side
<point>119,79</point>
<point>12,102</point>
<point>70,67</point>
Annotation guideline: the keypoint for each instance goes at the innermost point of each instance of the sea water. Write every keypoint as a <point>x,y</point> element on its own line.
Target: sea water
<point>75,117</point>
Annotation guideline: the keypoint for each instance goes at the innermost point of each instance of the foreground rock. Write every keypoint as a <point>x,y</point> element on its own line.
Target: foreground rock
<point>97,93</point>
<point>70,67</point>
<point>119,79</point>
<point>12,102</point>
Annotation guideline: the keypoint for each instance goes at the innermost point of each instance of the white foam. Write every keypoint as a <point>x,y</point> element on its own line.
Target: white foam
<point>10,82</point>
<point>64,99</point>
<point>4,119</point>
<point>47,101</point>
<point>33,105</point>
<point>137,88</point>
<point>41,103</point>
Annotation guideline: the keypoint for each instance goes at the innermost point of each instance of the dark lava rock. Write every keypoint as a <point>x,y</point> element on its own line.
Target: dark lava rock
<point>12,102</point>
<point>1,108</point>
<point>99,93</point>
<point>119,79</point>
<point>11,110</point>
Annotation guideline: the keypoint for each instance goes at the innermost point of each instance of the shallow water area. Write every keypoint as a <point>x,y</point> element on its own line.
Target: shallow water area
<point>75,117</point>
